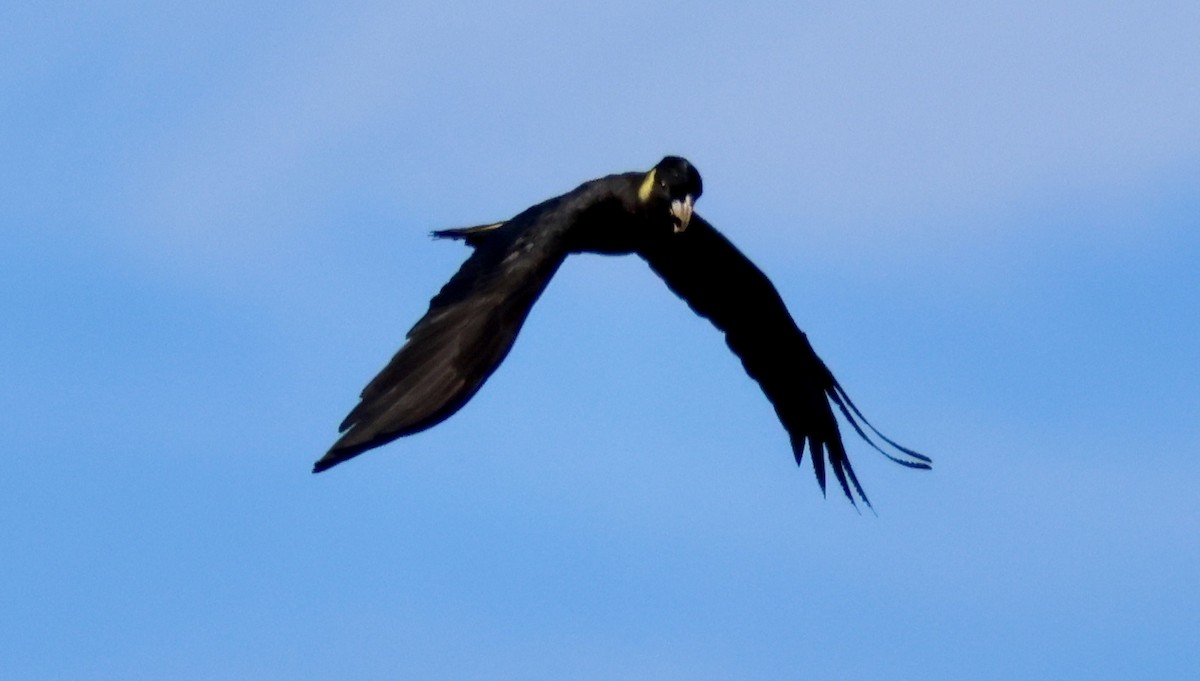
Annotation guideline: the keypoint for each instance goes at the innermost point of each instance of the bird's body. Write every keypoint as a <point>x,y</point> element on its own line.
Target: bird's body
<point>472,322</point>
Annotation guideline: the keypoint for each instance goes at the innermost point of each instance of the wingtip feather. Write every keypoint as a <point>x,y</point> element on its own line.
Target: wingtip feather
<point>852,414</point>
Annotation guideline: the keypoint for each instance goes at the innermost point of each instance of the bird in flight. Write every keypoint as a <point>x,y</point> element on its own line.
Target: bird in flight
<point>472,322</point>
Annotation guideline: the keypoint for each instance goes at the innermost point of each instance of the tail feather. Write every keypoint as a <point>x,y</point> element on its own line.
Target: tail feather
<point>471,235</point>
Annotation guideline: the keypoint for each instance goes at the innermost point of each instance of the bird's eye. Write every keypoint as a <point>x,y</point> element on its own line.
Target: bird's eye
<point>662,183</point>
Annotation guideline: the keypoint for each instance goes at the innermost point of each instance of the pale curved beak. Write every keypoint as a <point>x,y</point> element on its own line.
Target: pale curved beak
<point>682,212</point>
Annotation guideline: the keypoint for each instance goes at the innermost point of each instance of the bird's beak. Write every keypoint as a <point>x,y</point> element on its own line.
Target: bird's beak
<point>682,212</point>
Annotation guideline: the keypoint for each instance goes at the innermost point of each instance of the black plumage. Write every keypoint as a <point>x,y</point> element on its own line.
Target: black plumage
<point>472,322</point>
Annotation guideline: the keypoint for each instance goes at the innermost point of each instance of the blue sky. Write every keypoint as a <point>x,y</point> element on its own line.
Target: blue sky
<point>215,232</point>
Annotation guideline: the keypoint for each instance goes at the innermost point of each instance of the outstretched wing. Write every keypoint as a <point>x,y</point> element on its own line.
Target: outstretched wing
<point>719,283</point>
<point>469,328</point>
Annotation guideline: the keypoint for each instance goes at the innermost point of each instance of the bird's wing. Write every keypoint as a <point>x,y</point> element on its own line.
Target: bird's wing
<point>469,328</point>
<point>719,283</point>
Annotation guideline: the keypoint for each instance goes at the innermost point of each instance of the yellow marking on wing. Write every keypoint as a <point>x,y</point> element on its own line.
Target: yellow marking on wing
<point>647,186</point>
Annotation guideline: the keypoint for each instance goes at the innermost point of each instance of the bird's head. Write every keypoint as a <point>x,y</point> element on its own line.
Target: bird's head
<point>673,185</point>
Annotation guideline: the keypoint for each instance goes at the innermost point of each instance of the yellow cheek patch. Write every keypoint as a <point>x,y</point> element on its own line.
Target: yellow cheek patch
<point>647,186</point>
